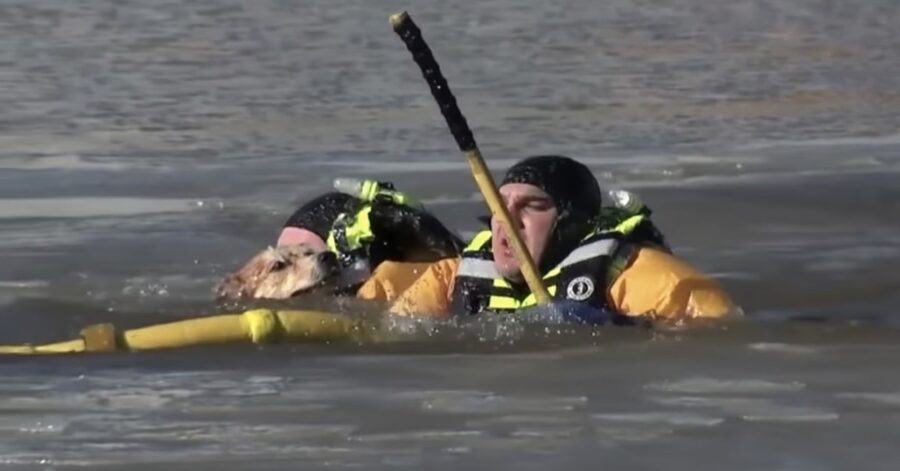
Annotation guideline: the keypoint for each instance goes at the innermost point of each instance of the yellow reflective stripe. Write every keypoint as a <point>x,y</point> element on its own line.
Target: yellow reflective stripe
<point>400,198</point>
<point>478,241</point>
<point>627,226</point>
<point>509,302</point>
<point>360,230</point>
<point>336,226</point>
<point>531,300</point>
<point>355,233</point>
<point>332,245</point>
<point>502,302</point>
<point>553,272</point>
<point>369,190</point>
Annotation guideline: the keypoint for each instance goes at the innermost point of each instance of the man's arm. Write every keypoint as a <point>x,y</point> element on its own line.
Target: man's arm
<point>659,284</point>
<point>430,295</point>
<point>390,279</point>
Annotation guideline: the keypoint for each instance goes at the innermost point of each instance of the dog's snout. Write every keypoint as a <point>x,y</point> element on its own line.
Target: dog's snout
<point>327,258</point>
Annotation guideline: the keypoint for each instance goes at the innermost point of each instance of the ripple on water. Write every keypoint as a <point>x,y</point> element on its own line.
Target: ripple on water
<point>716,386</point>
<point>751,409</point>
<point>84,207</point>
<point>483,402</point>
<point>885,398</point>
<point>776,347</point>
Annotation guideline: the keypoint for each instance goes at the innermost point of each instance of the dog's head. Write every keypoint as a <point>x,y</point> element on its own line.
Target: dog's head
<point>280,273</point>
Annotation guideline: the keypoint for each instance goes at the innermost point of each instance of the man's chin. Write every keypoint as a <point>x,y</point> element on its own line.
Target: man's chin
<point>511,273</point>
<point>515,279</point>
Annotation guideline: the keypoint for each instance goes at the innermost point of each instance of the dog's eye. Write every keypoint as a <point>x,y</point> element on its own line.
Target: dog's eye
<point>279,265</point>
<point>308,253</point>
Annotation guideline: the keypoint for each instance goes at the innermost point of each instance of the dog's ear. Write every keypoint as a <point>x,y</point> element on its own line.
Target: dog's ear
<point>234,286</point>
<point>243,282</point>
<point>275,260</point>
<point>274,253</point>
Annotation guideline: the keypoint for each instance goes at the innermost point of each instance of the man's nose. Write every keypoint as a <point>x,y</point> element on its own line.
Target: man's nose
<point>514,215</point>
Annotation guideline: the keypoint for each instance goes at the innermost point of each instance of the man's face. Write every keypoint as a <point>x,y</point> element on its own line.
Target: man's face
<point>536,214</point>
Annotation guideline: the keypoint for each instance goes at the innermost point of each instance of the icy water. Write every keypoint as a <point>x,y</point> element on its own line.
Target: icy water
<point>149,147</point>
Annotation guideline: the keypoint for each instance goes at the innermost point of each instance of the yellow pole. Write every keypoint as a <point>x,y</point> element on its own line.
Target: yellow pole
<point>404,26</point>
<point>492,197</point>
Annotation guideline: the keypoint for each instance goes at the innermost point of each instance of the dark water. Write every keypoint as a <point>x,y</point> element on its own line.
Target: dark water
<point>149,147</point>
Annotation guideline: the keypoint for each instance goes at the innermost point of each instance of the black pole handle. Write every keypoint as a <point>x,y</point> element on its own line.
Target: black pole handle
<point>411,35</point>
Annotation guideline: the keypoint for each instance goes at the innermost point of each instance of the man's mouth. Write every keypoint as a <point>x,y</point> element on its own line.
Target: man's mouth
<point>507,250</point>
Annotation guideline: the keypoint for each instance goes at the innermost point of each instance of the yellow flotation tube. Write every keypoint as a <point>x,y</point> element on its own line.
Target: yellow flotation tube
<point>254,326</point>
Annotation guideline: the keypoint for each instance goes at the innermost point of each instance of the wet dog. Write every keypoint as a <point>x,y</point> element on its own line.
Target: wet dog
<point>280,273</point>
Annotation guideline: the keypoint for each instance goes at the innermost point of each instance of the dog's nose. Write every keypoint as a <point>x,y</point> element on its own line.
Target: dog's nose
<point>327,258</point>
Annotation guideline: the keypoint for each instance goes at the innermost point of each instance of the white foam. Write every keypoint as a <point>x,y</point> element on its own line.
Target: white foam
<point>752,409</point>
<point>30,425</point>
<point>121,398</point>
<point>613,434</point>
<point>477,402</point>
<point>891,399</point>
<point>547,433</point>
<point>775,347</point>
<point>553,420</point>
<point>679,419</point>
<point>24,284</point>
<point>91,207</point>
<point>418,436</point>
<point>41,459</point>
<point>634,163</point>
<point>61,149</point>
<point>889,139</point>
<point>60,162</point>
<point>446,199</point>
<point>792,415</point>
<point>713,386</point>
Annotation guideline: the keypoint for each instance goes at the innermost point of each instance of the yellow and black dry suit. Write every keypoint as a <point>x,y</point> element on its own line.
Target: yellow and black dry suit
<point>584,275</point>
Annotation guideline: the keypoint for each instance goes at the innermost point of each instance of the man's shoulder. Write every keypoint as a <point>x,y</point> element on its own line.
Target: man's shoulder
<point>659,281</point>
<point>659,260</point>
<point>407,272</point>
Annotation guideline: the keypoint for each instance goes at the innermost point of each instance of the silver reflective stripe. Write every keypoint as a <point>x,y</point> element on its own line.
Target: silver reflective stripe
<point>475,268</point>
<point>592,250</point>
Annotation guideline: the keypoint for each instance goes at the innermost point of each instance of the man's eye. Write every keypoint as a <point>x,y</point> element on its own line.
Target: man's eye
<point>539,206</point>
